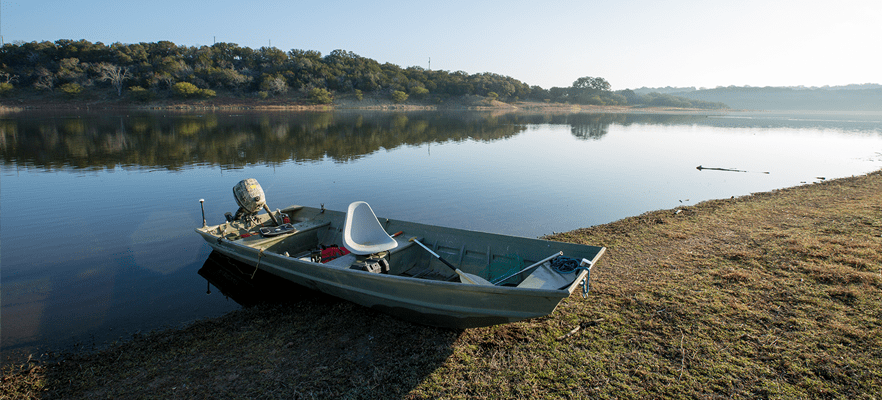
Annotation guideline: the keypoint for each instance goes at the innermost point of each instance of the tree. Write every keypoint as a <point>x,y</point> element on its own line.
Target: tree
<point>274,84</point>
<point>115,74</point>
<point>189,90</point>
<point>589,90</point>
<point>419,92</point>
<point>399,96</point>
<point>559,94</point>
<point>271,57</point>
<point>45,79</point>
<point>221,77</point>
<point>7,77</point>
<point>206,93</point>
<point>140,93</point>
<point>69,70</point>
<point>185,89</point>
<point>320,96</point>
<point>71,89</point>
<point>163,78</point>
<point>6,88</point>
<point>45,66</point>
<point>587,82</point>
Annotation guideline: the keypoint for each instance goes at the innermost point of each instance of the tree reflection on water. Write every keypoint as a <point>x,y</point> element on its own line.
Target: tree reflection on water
<point>149,140</point>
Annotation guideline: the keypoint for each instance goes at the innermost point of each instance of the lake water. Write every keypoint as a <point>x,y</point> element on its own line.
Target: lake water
<point>98,209</point>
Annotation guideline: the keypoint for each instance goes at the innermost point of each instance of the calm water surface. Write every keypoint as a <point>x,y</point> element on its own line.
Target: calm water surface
<point>98,210</point>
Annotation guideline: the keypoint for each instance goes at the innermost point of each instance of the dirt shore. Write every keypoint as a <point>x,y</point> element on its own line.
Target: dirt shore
<point>772,295</point>
<point>472,103</point>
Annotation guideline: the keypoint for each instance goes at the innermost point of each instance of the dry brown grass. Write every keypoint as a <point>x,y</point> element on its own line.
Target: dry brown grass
<point>774,295</point>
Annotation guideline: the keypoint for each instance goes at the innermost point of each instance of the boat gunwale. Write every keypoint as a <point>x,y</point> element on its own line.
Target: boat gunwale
<point>252,259</point>
<point>464,305</point>
<point>332,214</point>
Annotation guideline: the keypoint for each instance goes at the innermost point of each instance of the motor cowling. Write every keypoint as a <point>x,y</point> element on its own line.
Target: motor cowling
<point>249,195</point>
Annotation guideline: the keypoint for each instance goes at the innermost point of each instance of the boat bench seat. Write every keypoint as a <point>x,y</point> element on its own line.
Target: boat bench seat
<point>309,225</point>
<point>343,261</point>
<point>288,239</point>
<point>403,244</point>
<point>545,277</point>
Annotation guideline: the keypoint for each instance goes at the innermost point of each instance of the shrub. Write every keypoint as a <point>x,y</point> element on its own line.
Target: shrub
<point>263,94</point>
<point>595,100</point>
<point>71,89</point>
<point>358,94</point>
<point>320,96</point>
<point>492,96</point>
<point>419,92</point>
<point>185,89</point>
<point>274,84</point>
<point>6,88</point>
<point>399,96</point>
<point>188,90</point>
<point>139,93</point>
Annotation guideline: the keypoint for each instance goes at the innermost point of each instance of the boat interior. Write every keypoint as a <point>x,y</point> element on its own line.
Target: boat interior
<point>359,240</point>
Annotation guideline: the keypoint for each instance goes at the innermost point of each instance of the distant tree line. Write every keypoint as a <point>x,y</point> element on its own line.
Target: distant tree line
<point>147,71</point>
<point>853,97</point>
<point>866,97</point>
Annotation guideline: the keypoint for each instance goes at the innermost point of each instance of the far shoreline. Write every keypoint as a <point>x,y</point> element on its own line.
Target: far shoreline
<point>466,103</point>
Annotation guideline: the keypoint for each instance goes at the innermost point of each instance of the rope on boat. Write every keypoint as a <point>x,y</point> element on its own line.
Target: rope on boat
<point>567,265</point>
<point>259,254</point>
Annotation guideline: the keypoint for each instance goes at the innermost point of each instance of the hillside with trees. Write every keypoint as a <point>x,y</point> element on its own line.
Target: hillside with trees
<point>863,97</point>
<point>68,70</point>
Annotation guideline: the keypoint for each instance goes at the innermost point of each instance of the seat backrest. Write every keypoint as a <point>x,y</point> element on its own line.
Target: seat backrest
<point>362,232</point>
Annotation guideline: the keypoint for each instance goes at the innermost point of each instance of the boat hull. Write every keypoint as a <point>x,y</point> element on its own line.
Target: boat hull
<point>430,302</point>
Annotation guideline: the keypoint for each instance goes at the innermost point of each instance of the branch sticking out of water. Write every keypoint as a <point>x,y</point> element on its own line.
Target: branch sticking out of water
<point>700,168</point>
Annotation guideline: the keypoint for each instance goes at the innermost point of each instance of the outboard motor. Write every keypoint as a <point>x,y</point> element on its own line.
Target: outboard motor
<point>250,198</point>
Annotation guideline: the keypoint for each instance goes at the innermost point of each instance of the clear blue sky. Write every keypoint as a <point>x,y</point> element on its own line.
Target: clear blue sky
<point>548,43</point>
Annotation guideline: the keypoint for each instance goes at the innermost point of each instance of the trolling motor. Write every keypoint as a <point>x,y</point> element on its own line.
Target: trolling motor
<point>250,198</point>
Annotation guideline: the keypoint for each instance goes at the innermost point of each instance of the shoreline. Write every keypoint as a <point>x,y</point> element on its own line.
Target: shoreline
<point>472,103</point>
<point>773,294</point>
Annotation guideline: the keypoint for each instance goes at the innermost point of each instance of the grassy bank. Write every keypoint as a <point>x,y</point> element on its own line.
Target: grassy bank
<point>772,295</point>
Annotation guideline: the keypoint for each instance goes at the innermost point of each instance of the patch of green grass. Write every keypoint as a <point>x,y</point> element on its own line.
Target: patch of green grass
<point>770,295</point>
<point>23,381</point>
